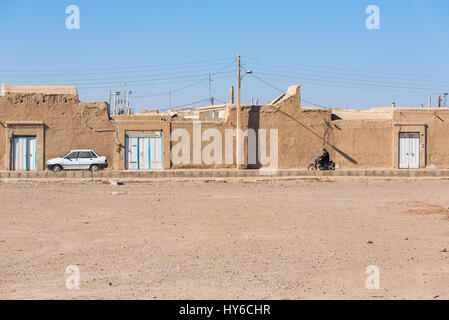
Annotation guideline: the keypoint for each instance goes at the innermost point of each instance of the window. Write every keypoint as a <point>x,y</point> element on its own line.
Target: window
<point>73,155</point>
<point>86,155</point>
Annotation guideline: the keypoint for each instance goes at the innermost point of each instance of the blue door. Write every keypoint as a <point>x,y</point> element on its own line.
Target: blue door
<point>24,153</point>
<point>143,153</point>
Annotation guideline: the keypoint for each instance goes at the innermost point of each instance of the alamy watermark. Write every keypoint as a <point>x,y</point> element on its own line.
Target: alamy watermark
<point>72,282</point>
<point>262,147</point>
<point>372,282</point>
<point>372,22</point>
<point>72,22</point>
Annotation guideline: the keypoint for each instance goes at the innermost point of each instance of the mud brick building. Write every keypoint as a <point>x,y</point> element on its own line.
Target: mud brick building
<point>42,122</point>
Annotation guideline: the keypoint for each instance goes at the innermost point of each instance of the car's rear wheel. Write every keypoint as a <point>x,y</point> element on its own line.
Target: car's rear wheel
<point>94,168</point>
<point>56,168</point>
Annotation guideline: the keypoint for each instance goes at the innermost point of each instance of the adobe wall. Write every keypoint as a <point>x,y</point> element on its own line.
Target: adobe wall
<point>362,143</point>
<point>127,123</point>
<point>60,123</point>
<point>194,140</point>
<point>375,143</point>
<point>301,132</point>
<point>434,125</point>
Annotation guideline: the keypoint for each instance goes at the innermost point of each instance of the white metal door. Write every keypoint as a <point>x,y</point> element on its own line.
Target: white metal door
<point>414,153</point>
<point>156,153</point>
<point>20,158</point>
<point>408,150</point>
<point>24,153</point>
<point>131,153</point>
<point>144,153</point>
<point>404,153</point>
<point>31,148</point>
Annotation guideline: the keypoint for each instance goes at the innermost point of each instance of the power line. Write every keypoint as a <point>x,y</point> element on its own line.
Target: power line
<point>350,81</point>
<point>188,86</point>
<point>339,84</point>
<point>270,85</point>
<point>144,77</point>
<point>221,101</point>
<point>348,70</point>
<point>154,83</point>
<point>292,73</point>
<point>357,83</point>
<point>109,83</point>
<point>363,78</point>
<point>120,68</point>
<point>183,105</point>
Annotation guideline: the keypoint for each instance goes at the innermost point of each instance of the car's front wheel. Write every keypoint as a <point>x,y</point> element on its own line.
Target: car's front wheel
<point>56,168</point>
<point>94,168</point>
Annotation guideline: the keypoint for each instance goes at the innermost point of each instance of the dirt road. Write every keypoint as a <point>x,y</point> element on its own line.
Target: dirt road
<point>208,240</point>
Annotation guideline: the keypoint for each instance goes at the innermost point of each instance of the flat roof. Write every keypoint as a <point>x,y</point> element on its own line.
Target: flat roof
<point>52,89</point>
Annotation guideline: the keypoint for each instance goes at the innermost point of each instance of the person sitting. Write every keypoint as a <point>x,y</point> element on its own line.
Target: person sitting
<point>325,159</point>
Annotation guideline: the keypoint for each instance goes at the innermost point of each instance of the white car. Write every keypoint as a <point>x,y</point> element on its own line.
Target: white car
<point>78,160</point>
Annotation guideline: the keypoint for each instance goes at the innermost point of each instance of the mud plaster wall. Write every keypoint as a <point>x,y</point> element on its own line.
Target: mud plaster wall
<point>125,124</point>
<point>61,123</point>
<point>301,132</point>
<point>362,143</point>
<point>374,143</point>
<point>67,124</point>
<point>436,125</point>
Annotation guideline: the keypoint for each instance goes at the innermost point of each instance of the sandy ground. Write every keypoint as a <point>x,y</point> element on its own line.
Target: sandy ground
<point>210,240</point>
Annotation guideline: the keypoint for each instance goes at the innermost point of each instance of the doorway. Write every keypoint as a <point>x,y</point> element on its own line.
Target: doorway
<point>24,153</point>
<point>408,150</point>
<point>143,153</point>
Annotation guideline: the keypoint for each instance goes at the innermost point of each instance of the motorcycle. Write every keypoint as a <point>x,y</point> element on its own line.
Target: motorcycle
<point>316,165</point>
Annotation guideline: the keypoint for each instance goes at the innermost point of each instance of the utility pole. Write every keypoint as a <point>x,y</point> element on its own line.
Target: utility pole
<point>110,100</point>
<point>169,96</point>
<point>439,101</point>
<point>115,103</point>
<point>128,93</point>
<point>231,95</point>
<point>430,102</point>
<point>444,99</point>
<point>210,91</point>
<point>238,114</point>
<point>125,97</point>
<point>126,102</point>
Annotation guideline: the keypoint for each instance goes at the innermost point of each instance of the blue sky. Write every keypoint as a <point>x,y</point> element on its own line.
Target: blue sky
<point>162,46</point>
